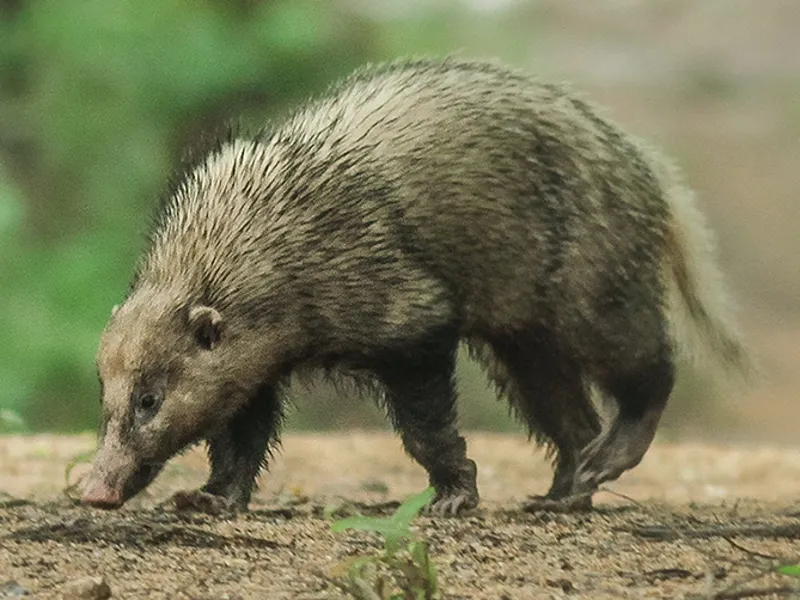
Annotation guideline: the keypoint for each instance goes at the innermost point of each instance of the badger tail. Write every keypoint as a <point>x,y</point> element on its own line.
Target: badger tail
<point>700,313</point>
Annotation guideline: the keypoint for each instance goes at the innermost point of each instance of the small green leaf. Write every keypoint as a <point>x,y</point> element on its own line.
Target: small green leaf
<point>362,523</point>
<point>421,558</point>
<point>793,570</point>
<point>409,509</point>
<point>419,552</point>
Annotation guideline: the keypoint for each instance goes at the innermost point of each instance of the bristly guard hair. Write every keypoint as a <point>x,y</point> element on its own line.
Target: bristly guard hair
<point>414,206</point>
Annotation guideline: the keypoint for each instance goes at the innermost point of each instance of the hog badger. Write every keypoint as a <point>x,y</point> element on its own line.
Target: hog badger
<point>415,206</point>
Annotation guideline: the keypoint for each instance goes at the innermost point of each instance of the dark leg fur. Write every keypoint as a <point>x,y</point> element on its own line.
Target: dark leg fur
<point>642,394</point>
<point>421,401</point>
<point>237,454</point>
<point>546,388</point>
<point>627,352</point>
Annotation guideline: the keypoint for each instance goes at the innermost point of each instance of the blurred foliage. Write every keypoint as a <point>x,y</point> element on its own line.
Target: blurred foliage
<point>11,422</point>
<point>97,101</point>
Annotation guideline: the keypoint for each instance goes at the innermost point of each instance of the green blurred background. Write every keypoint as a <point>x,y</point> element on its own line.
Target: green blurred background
<point>99,99</point>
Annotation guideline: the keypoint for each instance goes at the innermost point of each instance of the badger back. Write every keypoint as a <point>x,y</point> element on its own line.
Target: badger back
<point>476,174</point>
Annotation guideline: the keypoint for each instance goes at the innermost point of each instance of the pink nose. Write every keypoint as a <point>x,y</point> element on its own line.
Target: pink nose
<point>98,494</point>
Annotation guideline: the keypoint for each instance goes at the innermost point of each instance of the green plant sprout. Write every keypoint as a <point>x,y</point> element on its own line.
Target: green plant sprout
<point>404,555</point>
<point>793,570</point>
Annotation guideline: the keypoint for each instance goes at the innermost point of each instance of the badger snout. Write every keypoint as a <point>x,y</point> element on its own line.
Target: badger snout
<point>99,494</point>
<point>116,476</point>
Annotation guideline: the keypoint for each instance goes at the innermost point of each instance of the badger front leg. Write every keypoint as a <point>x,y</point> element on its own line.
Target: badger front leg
<point>421,401</point>
<point>237,453</point>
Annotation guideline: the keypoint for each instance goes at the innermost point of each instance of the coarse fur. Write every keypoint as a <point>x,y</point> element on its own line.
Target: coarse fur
<point>416,205</point>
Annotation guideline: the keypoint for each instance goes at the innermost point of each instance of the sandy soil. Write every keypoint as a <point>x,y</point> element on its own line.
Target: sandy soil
<point>663,542</point>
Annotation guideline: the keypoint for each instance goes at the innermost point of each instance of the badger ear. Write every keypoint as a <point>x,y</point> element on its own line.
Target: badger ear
<point>205,324</point>
<point>114,309</point>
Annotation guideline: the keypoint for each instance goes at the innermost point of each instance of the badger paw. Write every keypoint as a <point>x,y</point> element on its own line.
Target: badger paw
<point>565,504</point>
<point>201,502</point>
<point>452,503</point>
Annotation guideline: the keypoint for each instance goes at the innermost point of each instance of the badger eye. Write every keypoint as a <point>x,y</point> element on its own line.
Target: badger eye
<point>146,404</point>
<point>147,401</point>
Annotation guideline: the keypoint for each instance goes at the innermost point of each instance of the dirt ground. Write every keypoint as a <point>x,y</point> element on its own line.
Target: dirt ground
<point>664,541</point>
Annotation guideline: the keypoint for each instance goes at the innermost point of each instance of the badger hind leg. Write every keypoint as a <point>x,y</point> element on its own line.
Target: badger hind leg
<point>421,400</point>
<point>632,362</point>
<point>237,453</point>
<point>641,393</point>
<point>546,389</point>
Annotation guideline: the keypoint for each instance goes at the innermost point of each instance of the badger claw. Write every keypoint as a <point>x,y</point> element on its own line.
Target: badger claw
<point>451,504</point>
